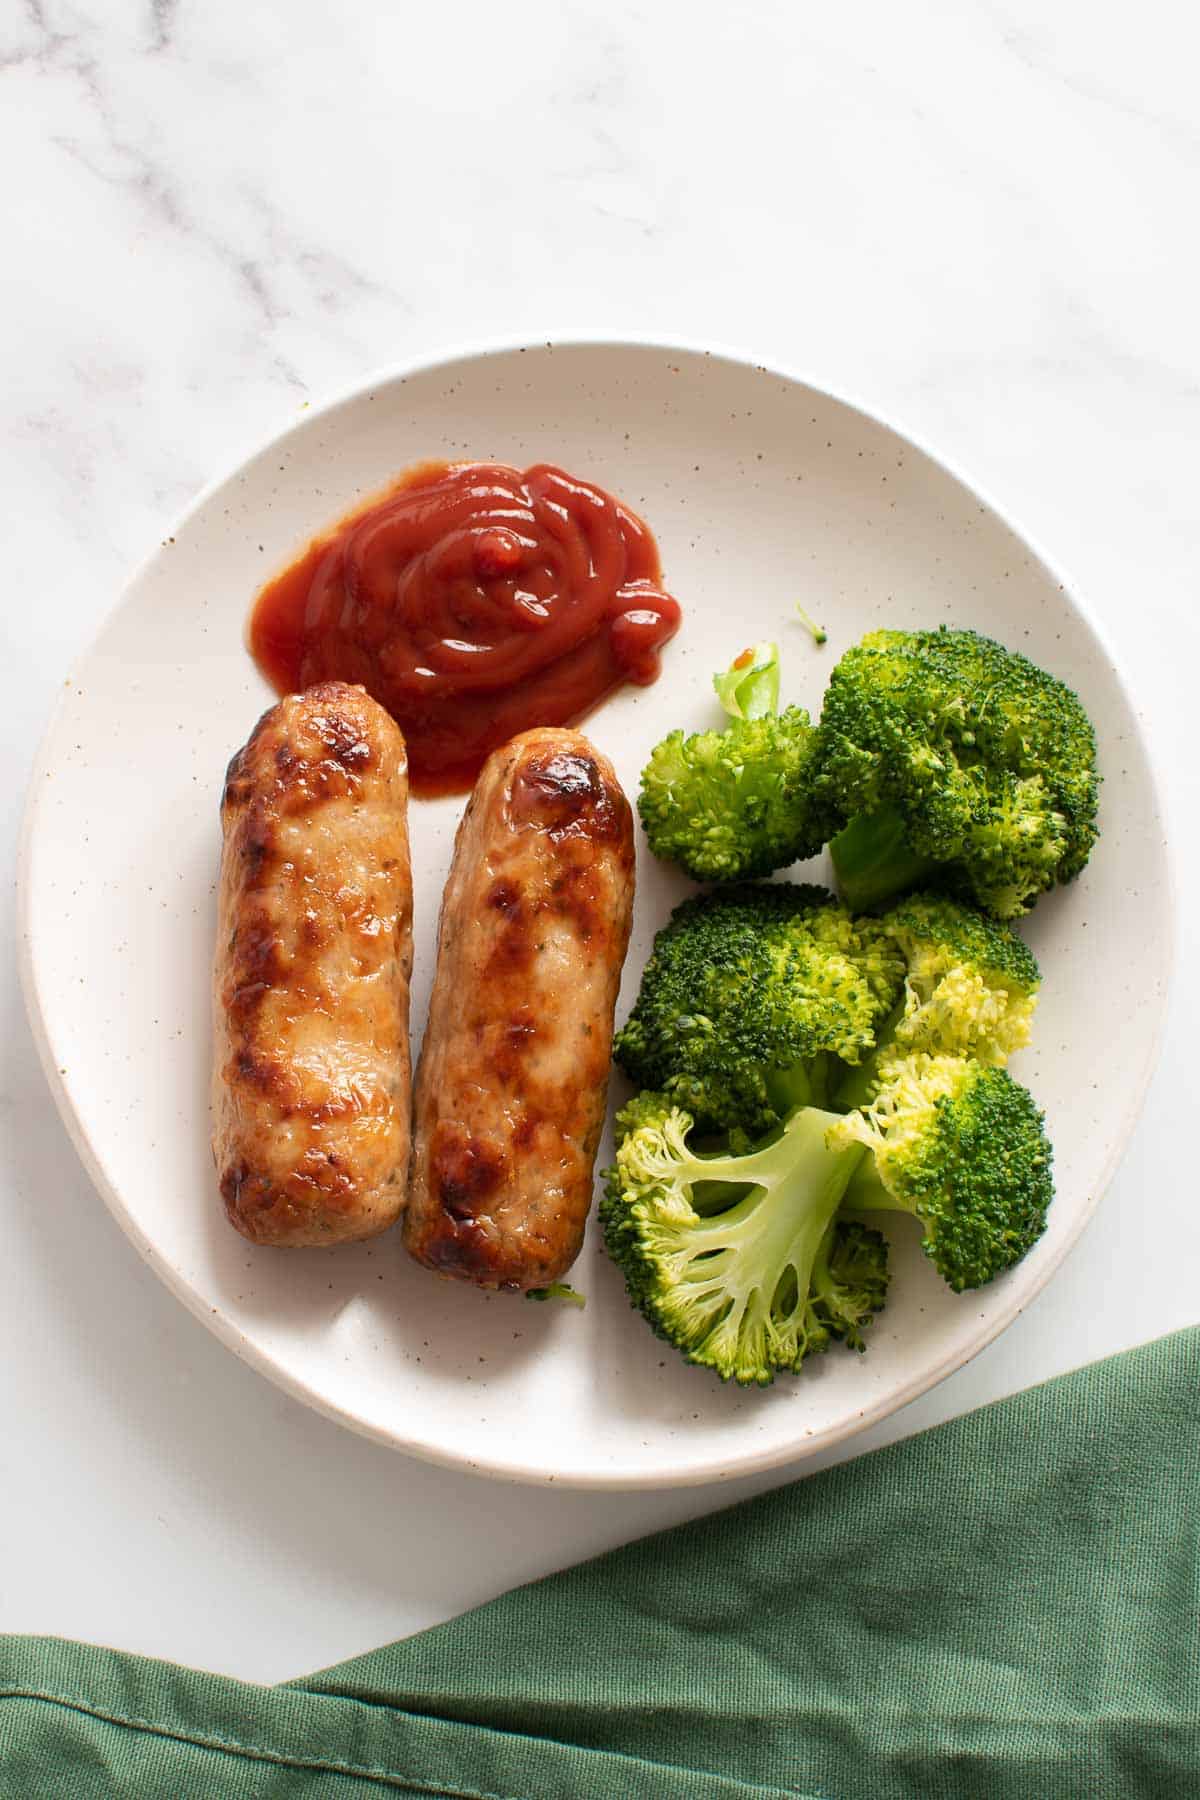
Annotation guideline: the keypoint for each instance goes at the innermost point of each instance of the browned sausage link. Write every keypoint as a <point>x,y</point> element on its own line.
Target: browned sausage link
<point>311,1072</point>
<point>513,1076</point>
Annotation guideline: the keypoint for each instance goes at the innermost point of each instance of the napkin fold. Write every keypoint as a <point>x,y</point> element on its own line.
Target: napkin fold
<point>1006,1605</point>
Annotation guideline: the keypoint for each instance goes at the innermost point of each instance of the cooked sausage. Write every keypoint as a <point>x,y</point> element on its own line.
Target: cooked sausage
<point>311,1072</point>
<point>513,1075</point>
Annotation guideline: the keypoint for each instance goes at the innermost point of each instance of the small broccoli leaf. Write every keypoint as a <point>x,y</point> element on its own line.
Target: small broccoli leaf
<point>557,1290</point>
<point>749,688</point>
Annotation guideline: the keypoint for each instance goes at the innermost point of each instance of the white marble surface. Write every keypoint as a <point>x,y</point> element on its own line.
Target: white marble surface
<point>977,218</point>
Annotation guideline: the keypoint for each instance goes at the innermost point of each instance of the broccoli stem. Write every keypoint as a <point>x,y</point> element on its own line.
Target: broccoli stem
<point>817,632</point>
<point>804,1085</point>
<point>796,1157</point>
<point>873,863</point>
<point>798,1186</point>
<point>866,1193</point>
<point>859,1084</point>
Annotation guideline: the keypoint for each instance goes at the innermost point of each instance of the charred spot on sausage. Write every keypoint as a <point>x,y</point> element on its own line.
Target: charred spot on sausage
<point>344,740</point>
<point>504,898</point>
<point>564,794</point>
<point>466,1169</point>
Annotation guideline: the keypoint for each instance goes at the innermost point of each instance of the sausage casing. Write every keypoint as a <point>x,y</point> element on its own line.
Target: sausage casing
<point>311,1069</point>
<point>513,1077</point>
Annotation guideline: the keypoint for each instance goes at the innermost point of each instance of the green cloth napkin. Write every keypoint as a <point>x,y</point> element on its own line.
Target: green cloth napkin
<point>1006,1605</point>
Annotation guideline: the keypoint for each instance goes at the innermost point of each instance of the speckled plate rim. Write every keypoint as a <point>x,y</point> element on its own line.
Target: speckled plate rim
<point>446,359</point>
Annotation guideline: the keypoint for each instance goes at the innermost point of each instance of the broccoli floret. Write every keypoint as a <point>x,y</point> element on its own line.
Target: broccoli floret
<point>948,758</point>
<point>739,1260</point>
<point>971,985</point>
<point>963,1147</point>
<point>970,989</point>
<point>730,805</point>
<point>771,1003</point>
<point>754,998</point>
<point>850,1277</point>
<point>635,1113</point>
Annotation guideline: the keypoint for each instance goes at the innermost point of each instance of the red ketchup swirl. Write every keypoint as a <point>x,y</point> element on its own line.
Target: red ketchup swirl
<point>473,602</point>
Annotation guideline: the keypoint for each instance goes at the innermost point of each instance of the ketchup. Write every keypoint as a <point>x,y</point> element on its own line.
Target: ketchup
<point>473,601</point>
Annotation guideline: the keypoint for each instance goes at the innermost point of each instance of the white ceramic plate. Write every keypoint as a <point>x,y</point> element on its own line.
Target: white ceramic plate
<point>762,491</point>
